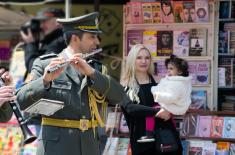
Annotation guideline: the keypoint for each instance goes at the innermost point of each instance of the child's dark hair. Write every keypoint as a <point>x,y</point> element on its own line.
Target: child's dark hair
<point>179,63</point>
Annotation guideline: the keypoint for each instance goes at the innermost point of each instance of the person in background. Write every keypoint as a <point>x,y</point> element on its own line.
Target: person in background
<point>51,41</point>
<point>73,129</point>
<point>137,80</point>
<point>6,94</point>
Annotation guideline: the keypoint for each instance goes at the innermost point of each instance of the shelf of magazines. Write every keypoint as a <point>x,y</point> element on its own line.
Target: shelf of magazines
<point>209,125</point>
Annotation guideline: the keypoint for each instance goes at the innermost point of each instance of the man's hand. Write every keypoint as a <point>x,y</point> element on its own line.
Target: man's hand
<point>80,64</point>
<point>28,38</point>
<point>48,77</point>
<point>7,94</point>
<point>163,114</point>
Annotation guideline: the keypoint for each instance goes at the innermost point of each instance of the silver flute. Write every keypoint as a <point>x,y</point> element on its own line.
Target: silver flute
<point>84,56</point>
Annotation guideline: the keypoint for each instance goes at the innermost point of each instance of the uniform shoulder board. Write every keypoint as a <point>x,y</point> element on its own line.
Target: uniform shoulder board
<point>46,56</point>
<point>98,66</point>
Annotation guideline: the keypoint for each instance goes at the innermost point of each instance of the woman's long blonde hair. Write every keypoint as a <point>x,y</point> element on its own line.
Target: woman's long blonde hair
<point>128,76</point>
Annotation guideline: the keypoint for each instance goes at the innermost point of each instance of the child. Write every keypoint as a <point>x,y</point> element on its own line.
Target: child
<point>172,93</point>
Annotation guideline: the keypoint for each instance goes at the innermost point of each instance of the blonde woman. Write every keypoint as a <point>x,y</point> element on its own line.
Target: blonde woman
<point>137,80</point>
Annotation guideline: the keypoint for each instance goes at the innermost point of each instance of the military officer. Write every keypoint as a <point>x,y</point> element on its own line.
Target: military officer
<point>73,129</point>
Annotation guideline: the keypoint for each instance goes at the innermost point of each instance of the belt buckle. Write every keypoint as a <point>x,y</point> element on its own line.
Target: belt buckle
<point>84,124</point>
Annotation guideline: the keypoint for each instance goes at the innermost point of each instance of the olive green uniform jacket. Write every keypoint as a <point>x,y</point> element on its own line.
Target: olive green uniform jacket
<point>5,112</point>
<point>72,89</point>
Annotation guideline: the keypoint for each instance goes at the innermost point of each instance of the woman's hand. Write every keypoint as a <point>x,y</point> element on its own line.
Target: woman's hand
<point>163,114</point>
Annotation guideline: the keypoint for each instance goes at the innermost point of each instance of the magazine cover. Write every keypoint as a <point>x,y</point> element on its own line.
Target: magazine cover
<point>167,11</point>
<point>150,41</point>
<point>181,43</point>
<point>164,43</point>
<point>199,99</point>
<point>198,42</point>
<point>189,12</point>
<point>178,11</point>
<point>133,37</point>
<point>229,127</point>
<point>204,126</point>
<point>136,13</point>
<point>147,13</point>
<point>202,11</point>
<point>156,8</point>
<point>217,126</point>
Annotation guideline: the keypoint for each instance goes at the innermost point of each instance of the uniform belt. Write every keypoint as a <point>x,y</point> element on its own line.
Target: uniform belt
<point>82,124</point>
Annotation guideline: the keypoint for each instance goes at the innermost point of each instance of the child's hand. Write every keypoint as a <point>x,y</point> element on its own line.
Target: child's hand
<point>163,114</point>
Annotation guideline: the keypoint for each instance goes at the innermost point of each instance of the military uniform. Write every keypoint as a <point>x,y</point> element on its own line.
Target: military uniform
<point>71,130</point>
<point>5,112</point>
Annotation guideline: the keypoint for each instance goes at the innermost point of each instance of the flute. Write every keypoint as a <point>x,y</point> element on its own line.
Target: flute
<point>84,56</point>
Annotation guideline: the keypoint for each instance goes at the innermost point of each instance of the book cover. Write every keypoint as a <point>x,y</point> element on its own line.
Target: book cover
<point>167,11</point>
<point>181,43</point>
<point>147,13</point>
<point>195,147</point>
<point>229,127</point>
<point>150,41</point>
<point>123,127</point>
<point>190,124</point>
<point>164,43</point>
<point>224,9</point>
<point>228,64</point>
<point>204,126</point>
<point>156,8</point>
<point>178,11</point>
<point>134,37</point>
<point>136,13</point>
<point>217,126</point>
<point>223,148</point>
<point>189,12</point>
<point>203,73</point>
<point>198,42</point>
<point>202,11</point>
<point>223,42</point>
<point>209,149</point>
<point>232,149</point>
<point>122,146</point>
<point>199,99</point>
